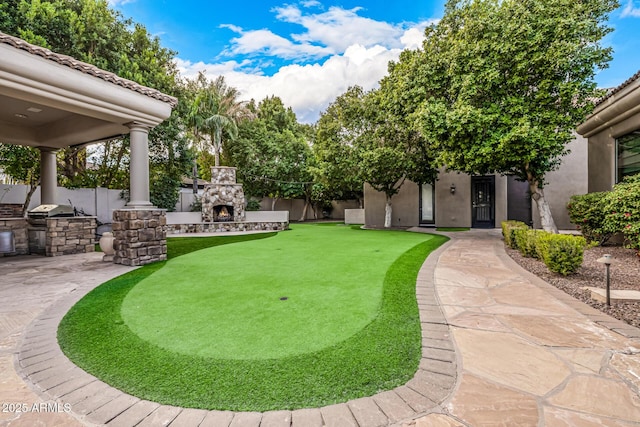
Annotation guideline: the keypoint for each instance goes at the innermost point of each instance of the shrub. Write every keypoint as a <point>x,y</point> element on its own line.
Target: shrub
<point>196,206</point>
<point>508,232</point>
<point>587,212</point>
<point>542,244</point>
<point>622,211</point>
<point>526,240</point>
<point>519,237</point>
<point>561,253</point>
<point>253,205</point>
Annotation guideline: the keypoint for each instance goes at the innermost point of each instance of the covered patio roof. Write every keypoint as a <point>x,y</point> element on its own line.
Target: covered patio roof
<point>52,101</point>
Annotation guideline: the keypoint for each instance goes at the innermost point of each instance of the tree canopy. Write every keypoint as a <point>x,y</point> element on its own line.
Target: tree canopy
<point>272,153</point>
<point>500,85</point>
<point>364,137</point>
<point>93,32</point>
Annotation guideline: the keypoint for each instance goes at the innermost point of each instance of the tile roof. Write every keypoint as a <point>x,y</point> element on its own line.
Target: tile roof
<point>612,91</point>
<point>85,68</point>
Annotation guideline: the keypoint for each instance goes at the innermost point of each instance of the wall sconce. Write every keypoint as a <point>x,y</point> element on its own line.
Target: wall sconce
<point>453,189</point>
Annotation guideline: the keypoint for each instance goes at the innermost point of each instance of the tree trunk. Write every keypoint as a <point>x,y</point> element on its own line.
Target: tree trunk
<point>216,156</point>
<point>303,217</point>
<point>274,200</point>
<point>387,213</point>
<point>546,219</point>
<point>32,189</point>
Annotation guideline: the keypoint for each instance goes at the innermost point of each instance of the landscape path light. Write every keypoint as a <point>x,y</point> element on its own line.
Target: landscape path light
<point>606,260</point>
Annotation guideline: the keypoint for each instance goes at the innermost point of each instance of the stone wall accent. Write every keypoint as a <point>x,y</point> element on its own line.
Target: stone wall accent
<point>10,210</point>
<point>223,194</point>
<point>140,236</point>
<point>221,227</point>
<point>223,175</point>
<point>70,235</point>
<point>223,191</point>
<point>19,227</point>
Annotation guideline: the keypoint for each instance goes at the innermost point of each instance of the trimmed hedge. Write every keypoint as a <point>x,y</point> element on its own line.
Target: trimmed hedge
<point>509,232</point>
<point>526,240</point>
<point>561,253</point>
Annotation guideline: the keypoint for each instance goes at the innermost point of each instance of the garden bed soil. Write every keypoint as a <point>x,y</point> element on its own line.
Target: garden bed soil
<point>624,270</point>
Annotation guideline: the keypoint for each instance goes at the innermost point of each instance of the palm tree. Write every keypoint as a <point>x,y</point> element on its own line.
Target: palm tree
<point>216,124</point>
<point>215,112</point>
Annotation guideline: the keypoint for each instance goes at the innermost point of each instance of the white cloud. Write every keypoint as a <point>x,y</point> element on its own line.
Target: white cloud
<point>265,42</point>
<point>340,28</point>
<point>347,49</point>
<point>308,89</point>
<point>413,37</point>
<point>631,10</point>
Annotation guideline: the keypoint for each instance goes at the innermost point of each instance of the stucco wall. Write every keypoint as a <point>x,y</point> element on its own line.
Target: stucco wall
<point>99,202</point>
<point>405,206</point>
<point>571,178</point>
<point>601,163</point>
<point>295,207</point>
<point>602,149</point>
<point>616,115</point>
<point>453,210</point>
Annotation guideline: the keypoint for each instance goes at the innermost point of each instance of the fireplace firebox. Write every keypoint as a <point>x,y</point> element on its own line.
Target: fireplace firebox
<point>222,213</point>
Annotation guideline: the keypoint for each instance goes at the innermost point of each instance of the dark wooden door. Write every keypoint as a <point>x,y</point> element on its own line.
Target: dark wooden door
<point>518,200</point>
<point>483,207</point>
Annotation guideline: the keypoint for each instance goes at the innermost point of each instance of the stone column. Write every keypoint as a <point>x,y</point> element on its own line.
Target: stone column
<point>140,236</point>
<point>139,167</point>
<point>48,176</point>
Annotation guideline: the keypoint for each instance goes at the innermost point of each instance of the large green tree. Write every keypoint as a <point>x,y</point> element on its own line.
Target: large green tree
<point>273,154</point>
<point>93,32</point>
<point>364,137</point>
<point>334,146</point>
<point>23,164</point>
<point>505,82</point>
<point>390,151</point>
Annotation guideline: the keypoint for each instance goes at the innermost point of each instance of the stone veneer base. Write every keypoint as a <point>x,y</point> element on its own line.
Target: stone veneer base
<point>70,235</point>
<point>221,227</point>
<point>140,236</point>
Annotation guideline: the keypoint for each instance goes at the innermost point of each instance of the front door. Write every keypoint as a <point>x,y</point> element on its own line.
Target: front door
<point>483,209</point>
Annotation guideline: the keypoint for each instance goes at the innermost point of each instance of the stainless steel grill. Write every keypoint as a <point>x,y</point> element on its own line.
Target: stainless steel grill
<point>48,211</point>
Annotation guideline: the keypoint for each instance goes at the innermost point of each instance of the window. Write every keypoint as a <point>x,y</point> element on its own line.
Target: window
<point>628,155</point>
<point>427,211</point>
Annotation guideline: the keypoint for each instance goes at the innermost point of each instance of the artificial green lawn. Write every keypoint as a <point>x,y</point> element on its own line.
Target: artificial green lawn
<point>208,329</point>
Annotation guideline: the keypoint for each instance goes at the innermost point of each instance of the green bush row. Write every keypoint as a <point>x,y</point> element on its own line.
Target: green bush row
<point>600,215</point>
<point>508,232</point>
<point>561,253</point>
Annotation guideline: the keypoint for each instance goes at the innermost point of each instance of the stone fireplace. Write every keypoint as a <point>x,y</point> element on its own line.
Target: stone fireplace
<point>223,199</point>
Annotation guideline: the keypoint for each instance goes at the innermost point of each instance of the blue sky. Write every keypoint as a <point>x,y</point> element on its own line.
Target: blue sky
<point>309,52</point>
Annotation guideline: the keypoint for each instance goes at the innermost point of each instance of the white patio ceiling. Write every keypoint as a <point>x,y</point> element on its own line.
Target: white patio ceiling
<point>51,100</point>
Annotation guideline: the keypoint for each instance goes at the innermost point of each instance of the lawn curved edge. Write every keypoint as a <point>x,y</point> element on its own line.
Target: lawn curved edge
<point>94,401</point>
